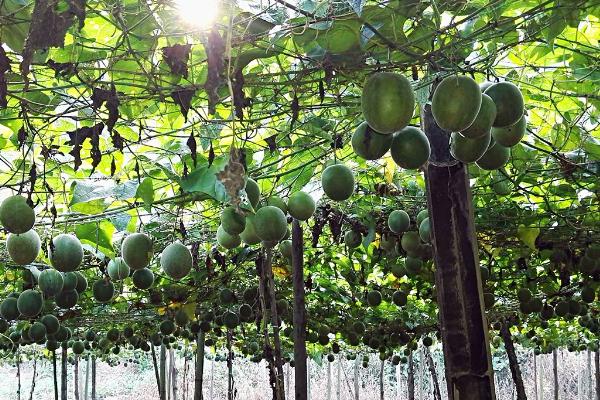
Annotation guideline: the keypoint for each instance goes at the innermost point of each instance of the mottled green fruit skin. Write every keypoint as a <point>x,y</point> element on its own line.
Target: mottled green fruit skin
<point>103,291</point>
<point>66,253</point>
<point>388,102</point>
<point>270,224</point>
<point>253,192</point>
<point>337,181</point>
<point>15,215</point>
<point>509,102</point>
<point>226,240</point>
<point>143,278</point>
<point>369,144</point>
<point>118,269</point>
<point>23,249</point>
<point>301,206</point>
<point>176,260</point>
<point>30,303</point>
<point>352,239</point>
<point>421,216</point>
<point>509,136</point>
<point>398,221</point>
<point>468,150</point>
<point>495,157</point>
<point>410,241</point>
<point>484,120</point>
<point>456,103</point>
<point>137,250</point>
<point>277,202</point>
<point>410,148</point>
<point>249,235</point>
<point>70,281</point>
<point>67,299</point>
<point>425,230</point>
<point>232,222</point>
<point>51,282</point>
<point>374,298</point>
<point>8,309</point>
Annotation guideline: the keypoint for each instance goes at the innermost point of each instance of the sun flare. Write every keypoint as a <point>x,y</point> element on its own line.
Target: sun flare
<point>199,13</point>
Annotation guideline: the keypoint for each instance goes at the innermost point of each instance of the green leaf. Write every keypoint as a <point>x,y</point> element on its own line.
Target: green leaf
<point>528,235</point>
<point>146,192</point>
<point>204,179</point>
<point>98,235</point>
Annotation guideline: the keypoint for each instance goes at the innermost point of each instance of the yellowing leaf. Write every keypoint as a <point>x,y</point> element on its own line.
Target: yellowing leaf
<point>281,271</point>
<point>190,310</point>
<point>389,169</point>
<point>528,235</point>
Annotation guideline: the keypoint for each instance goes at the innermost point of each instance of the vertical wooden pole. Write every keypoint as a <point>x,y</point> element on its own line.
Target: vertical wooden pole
<point>381,380</point>
<point>163,372</point>
<point>513,361</point>
<point>411,376</point>
<point>338,389</point>
<point>597,365</point>
<point>356,378</point>
<point>535,377</point>
<point>300,367</point>
<point>156,373</point>
<point>465,339</point>
<point>87,378</point>
<point>63,373</point>
<point>199,370</point>
<point>54,375</point>
<point>76,377</point>
<point>328,380</point>
<point>555,373</point>
<point>94,377</point>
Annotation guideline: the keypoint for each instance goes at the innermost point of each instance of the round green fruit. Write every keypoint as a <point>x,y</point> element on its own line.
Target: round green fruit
<point>249,235</point>
<point>352,239</point>
<point>23,249</point>
<point>16,216</point>
<point>137,250</point>
<point>167,327</point>
<point>143,278</point>
<point>510,105</point>
<point>51,282</point>
<point>301,206</point>
<point>369,144</point>
<point>495,157</point>
<point>78,347</point>
<point>253,192</point>
<point>8,309</point>
<point>270,224</point>
<point>484,120</point>
<point>456,103</point>
<point>176,260</point>
<point>374,298</point>
<point>468,150</point>
<point>66,253</point>
<point>388,102</point>
<point>66,299</point>
<point>421,215</point>
<point>81,283</point>
<point>400,298</point>
<point>398,221</point>
<point>425,230</point>
<point>231,319</point>
<point>509,136</point>
<point>181,318</point>
<point>226,240</point>
<point>232,221</point>
<point>118,269</point>
<point>30,303</point>
<point>69,281</point>
<point>277,202</point>
<point>410,148</point>
<point>285,248</point>
<point>51,323</point>
<point>337,181</point>
<point>103,291</point>
<point>410,241</point>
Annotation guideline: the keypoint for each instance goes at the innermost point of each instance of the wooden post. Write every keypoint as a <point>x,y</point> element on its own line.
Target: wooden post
<point>464,331</point>
<point>156,373</point>
<point>356,383</point>
<point>18,375</point>
<point>555,372</point>
<point>597,365</point>
<point>199,370</point>
<point>33,378</point>
<point>328,380</point>
<point>381,379</point>
<point>436,387</point>
<point>411,376</point>
<point>54,375</point>
<point>163,372</point>
<point>300,369</point>
<point>338,389</point>
<point>76,377</point>
<point>87,378</point>
<point>513,361</point>
<point>94,377</point>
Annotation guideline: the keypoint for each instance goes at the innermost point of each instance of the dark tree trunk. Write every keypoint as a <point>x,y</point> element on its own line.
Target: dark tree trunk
<point>54,375</point>
<point>411,377</point>
<point>436,386</point>
<point>63,374</point>
<point>93,377</point>
<point>33,378</point>
<point>231,395</point>
<point>515,370</point>
<point>300,371</point>
<point>555,372</point>
<point>155,364</point>
<point>458,281</point>
<point>18,376</point>
<point>381,379</point>
<point>76,377</point>
<point>597,362</point>
<point>163,372</point>
<point>267,349</point>
<point>199,370</point>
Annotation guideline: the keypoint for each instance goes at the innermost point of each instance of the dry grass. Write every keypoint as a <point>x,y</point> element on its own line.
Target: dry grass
<point>251,380</point>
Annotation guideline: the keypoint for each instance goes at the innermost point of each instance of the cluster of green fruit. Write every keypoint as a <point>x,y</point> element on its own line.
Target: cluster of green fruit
<point>485,121</point>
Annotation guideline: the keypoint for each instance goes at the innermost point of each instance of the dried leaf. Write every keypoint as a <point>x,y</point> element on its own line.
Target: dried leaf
<point>239,98</point>
<point>321,91</point>
<point>183,98</point>
<point>295,110</point>
<point>117,140</point>
<point>78,137</point>
<point>110,97</point>
<point>47,29</point>
<point>113,167</point>
<point>64,70</point>
<point>271,142</point>
<point>233,177</point>
<point>22,136</point>
<point>215,51</point>
<point>4,67</point>
<point>191,143</point>
<point>177,57</point>
<point>211,155</point>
